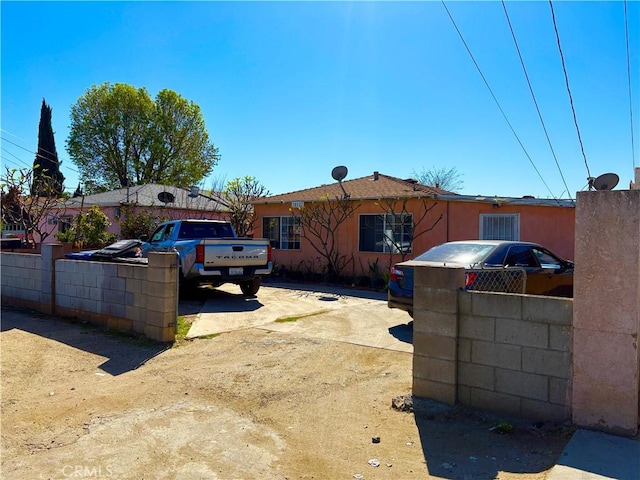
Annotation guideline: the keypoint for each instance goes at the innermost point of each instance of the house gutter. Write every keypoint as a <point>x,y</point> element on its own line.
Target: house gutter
<point>526,201</point>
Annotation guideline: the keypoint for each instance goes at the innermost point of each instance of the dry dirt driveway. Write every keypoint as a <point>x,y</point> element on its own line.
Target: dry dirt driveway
<point>253,403</point>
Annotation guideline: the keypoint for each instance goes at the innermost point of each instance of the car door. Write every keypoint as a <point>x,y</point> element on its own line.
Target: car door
<point>523,256</point>
<point>159,241</point>
<point>556,275</point>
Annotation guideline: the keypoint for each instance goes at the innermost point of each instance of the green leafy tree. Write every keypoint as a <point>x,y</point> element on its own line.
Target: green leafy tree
<point>238,195</point>
<point>446,179</point>
<point>120,136</point>
<point>47,178</point>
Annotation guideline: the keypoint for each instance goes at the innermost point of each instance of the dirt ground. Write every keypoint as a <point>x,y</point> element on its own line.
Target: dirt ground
<point>78,402</point>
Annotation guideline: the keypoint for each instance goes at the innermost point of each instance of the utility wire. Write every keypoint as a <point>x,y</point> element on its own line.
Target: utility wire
<point>566,81</point>
<point>37,154</point>
<point>626,34</point>
<point>14,156</point>
<point>39,148</point>
<point>524,69</point>
<point>495,99</point>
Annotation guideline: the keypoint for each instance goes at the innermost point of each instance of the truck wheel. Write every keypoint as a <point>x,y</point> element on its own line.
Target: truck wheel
<point>250,287</point>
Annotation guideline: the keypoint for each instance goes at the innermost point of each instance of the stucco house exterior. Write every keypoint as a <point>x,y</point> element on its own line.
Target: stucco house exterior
<point>387,207</point>
<point>163,200</point>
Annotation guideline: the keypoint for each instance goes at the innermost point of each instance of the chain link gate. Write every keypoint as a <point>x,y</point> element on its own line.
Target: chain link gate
<point>508,280</point>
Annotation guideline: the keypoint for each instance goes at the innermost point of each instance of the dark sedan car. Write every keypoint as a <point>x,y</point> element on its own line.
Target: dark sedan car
<point>546,272</point>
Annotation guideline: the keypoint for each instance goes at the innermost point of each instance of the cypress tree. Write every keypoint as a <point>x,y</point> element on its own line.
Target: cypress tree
<point>78,192</point>
<point>48,180</point>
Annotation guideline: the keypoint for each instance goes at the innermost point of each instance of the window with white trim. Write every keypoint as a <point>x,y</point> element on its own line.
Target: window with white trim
<point>389,233</point>
<point>499,226</point>
<point>283,232</point>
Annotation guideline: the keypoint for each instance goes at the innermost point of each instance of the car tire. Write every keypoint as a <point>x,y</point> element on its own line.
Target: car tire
<point>250,287</point>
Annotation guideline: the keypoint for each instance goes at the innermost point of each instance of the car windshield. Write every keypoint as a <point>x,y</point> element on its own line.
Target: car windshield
<point>461,253</point>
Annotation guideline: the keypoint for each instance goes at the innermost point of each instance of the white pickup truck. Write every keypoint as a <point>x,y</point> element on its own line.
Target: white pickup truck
<point>210,253</point>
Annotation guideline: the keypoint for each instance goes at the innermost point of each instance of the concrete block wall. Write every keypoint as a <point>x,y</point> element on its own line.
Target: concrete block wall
<point>435,332</point>
<point>502,352</point>
<point>126,297</point>
<point>514,354</point>
<point>21,279</point>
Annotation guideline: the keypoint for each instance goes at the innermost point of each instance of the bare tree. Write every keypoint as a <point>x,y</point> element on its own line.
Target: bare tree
<point>238,195</point>
<point>36,214</point>
<point>320,222</point>
<point>407,226</point>
<point>446,179</point>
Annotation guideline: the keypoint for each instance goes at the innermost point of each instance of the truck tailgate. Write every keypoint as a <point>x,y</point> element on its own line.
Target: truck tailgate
<point>235,252</point>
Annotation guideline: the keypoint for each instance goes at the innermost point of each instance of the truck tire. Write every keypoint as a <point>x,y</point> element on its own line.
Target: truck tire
<point>250,287</point>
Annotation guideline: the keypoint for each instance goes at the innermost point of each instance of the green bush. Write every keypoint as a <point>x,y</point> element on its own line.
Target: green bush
<point>89,229</point>
<point>134,224</point>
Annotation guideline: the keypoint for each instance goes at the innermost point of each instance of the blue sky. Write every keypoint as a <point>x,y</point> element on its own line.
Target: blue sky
<point>289,90</point>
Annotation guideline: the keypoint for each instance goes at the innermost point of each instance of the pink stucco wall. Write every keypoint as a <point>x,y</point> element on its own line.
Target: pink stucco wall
<point>162,212</point>
<point>606,311</point>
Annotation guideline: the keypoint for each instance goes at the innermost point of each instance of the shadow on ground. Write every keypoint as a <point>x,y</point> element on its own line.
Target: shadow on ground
<point>226,302</point>
<point>327,289</point>
<point>482,444</point>
<point>403,332</point>
<point>123,353</point>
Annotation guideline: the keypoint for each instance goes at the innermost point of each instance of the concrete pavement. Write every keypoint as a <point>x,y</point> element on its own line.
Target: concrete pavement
<point>347,315</point>
<point>593,455</point>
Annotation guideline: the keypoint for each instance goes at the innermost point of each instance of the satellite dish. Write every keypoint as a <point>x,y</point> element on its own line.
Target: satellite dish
<point>194,191</point>
<point>606,181</point>
<point>166,197</point>
<point>338,173</point>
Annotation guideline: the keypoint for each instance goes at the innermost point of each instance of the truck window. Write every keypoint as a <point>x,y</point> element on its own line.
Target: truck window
<point>157,235</point>
<point>167,231</point>
<point>190,231</point>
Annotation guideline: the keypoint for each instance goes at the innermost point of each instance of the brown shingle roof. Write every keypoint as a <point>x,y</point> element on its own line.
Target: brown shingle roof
<point>371,187</point>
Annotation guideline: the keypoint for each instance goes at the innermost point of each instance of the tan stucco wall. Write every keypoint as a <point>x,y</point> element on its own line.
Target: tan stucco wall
<point>607,311</point>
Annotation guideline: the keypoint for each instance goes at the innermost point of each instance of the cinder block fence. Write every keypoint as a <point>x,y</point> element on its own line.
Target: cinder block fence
<point>543,357</point>
<point>503,352</point>
<point>136,298</point>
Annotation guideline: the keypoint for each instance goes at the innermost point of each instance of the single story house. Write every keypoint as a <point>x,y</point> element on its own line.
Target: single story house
<point>165,201</point>
<point>396,219</point>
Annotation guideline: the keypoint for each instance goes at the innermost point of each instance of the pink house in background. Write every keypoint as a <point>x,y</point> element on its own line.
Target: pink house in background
<point>549,222</point>
<point>165,201</point>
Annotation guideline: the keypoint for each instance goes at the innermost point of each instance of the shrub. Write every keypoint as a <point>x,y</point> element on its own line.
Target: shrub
<point>135,224</point>
<point>89,229</point>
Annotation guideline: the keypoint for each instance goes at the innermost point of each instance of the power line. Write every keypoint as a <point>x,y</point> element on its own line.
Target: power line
<point>524,69</point>
<point>495,99</point>
<point>14,156</point>
<point>626,35</point>
<point>39,148</point>
<point>58,162</point>
<point>566,81</point>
